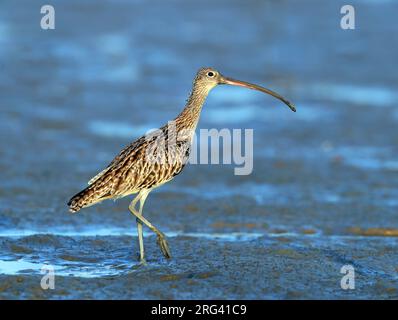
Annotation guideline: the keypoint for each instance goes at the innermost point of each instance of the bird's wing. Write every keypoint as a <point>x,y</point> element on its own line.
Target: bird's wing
<point>115,160</point>
<point>119,157</point>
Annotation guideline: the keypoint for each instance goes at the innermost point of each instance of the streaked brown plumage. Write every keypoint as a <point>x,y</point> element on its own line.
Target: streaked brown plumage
<point>155,159</point>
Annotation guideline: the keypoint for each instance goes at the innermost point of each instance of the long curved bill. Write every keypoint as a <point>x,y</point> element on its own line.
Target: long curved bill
<point>248,85</point>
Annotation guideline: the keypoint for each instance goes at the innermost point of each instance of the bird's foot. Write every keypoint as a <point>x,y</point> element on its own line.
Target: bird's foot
<point>164,247</point>
<point>142,259</point>
<point>139,265</point>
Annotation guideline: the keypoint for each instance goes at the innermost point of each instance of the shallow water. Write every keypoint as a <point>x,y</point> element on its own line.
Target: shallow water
<point>324,187</point>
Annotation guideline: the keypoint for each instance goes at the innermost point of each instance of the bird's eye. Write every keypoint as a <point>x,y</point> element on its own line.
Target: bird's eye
<point>210,74</point>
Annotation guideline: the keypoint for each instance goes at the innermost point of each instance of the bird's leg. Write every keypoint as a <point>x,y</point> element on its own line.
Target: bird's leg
<point>139,229</point>
<point>141,241</point>
<point>161,240</point>
<point>143,195</point>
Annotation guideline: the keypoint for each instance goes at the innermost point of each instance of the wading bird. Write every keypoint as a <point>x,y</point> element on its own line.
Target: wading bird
<point>146,164</point>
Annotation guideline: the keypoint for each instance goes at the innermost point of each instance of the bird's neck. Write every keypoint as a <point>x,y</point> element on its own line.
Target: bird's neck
<point>189,117</point>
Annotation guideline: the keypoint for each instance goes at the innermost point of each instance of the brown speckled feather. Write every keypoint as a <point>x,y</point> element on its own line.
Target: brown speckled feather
<point>132,171</point>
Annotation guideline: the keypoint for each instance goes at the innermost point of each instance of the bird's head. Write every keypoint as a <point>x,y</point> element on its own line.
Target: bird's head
<point>208,78</point>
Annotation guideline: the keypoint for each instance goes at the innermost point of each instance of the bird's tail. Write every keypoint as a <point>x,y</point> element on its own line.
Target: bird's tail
<point>84,198</point>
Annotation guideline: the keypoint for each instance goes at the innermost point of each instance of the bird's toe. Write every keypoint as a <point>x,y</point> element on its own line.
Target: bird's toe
<point>164,246</point>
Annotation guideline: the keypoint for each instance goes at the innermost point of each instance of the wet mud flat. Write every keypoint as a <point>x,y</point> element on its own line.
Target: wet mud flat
<point>277,267</point>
